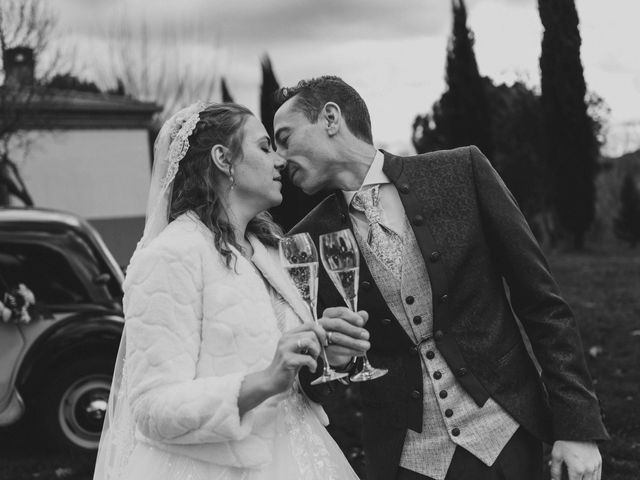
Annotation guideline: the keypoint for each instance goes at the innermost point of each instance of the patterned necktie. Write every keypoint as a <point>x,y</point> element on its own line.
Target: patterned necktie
<point>383,242</point>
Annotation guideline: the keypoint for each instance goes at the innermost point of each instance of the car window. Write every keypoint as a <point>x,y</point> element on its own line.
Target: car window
<point>44,270</point>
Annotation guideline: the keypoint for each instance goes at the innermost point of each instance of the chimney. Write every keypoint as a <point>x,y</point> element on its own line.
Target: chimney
<point>19,67</point>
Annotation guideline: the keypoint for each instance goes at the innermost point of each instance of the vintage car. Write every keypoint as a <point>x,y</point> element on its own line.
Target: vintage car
<point>56,369</point>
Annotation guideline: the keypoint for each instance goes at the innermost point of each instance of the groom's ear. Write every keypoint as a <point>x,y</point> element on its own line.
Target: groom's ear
<point>221,158</point>
<point>331,118</point>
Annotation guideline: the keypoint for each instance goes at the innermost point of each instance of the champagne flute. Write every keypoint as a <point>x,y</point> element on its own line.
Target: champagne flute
<point>299,257</point>
<point>341,259</point>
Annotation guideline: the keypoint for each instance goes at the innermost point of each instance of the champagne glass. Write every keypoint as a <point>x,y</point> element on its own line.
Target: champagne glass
<point>341,259</point>
<point>299,257</point>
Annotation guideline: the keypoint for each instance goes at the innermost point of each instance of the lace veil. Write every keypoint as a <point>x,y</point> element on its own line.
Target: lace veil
<point>171,145</point>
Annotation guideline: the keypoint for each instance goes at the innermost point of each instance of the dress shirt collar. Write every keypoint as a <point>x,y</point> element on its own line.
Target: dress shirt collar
<point>374,176</point>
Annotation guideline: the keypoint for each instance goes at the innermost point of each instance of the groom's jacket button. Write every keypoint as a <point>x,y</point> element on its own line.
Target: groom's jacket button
<point>415,394</point>
<point>435,256</point>
<point>409,300</point>
<point>437,375</point>
<point>430,355</point>
<point>404,188</point>
<point>455,431</point>
<point>365,285</point>
<point>386,321</point>
<point>417,320</point>
<point>443,394</point>
<point>413,351</point>
<point>443,298</point>
<point>343,218</point>
<point>418,220</point>
<point>461,372</point>
<point>438,335</point>
<point>448,413</point>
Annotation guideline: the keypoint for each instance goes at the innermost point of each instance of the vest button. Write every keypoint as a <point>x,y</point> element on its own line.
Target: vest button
<point>461,372</point>
<point>418,220</point>
<point>343,218</point>
<point>417,320</point>
<point>443,298</point>
<point>455,432</point>
<point>430,355</point>
<point>386,321</point>
<point>415,394</point>
<point>448,413</point>
<point>443,394</point>
<point>365,285</point>
<point>435,256</point>
<point>404,188</point>
<point>409,300</point>
<point>437,375</point>
<point>413,351</point>
<point>438,335</point>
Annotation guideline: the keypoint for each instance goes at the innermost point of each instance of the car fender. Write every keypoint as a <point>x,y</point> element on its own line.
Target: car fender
<point>81,334</point>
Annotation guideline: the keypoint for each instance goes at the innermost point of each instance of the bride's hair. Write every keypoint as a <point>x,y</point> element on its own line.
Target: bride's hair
<point>195,189</point>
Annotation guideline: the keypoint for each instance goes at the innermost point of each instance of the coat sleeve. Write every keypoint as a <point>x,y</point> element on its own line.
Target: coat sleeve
<point>163,312</point>
<point>535,297</point>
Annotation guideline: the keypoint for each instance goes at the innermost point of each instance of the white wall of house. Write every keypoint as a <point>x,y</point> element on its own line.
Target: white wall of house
<point>102,175</point>
<point>93,173</point>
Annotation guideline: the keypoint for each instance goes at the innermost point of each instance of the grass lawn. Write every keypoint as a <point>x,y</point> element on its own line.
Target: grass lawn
<point>604,291</point>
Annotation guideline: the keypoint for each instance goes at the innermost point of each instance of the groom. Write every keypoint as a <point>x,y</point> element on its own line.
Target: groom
<point>439,233</point>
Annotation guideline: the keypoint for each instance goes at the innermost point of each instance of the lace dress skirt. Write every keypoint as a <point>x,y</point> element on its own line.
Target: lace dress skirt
<point>302,449</point>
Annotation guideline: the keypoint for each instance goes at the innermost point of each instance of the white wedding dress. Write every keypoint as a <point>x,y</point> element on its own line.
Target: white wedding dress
<point>302,449</point>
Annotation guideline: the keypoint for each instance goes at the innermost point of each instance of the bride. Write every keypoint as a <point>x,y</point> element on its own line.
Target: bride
<point>205,385</point>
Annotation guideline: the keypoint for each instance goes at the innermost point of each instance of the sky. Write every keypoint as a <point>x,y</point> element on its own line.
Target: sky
<point>392,52</point>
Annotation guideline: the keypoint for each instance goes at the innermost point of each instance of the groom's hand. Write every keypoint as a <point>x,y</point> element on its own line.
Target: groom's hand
<point>346,336</point>
<point>582,459</point>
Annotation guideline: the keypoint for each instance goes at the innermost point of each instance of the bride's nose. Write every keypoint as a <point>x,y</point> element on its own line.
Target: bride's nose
<point>279,162</point>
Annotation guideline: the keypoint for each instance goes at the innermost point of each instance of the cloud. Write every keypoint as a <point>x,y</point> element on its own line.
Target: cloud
<point>246,22</point>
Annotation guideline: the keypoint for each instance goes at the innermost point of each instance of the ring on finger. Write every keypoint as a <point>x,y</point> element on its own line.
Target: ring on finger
<point>301,348</point>
<point>329,340</point>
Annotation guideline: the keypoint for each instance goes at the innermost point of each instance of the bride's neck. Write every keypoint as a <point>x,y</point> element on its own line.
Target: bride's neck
<point>239,218</point>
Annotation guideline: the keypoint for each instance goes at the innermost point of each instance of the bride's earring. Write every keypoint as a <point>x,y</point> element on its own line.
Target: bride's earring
<point>231,179</point>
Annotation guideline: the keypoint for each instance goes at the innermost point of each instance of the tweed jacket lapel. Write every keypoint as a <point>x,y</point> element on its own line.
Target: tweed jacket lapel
<point>399,172</point>
<point>403,173</point>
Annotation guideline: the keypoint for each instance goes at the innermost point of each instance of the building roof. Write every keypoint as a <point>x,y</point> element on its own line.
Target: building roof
<point>69,109</point>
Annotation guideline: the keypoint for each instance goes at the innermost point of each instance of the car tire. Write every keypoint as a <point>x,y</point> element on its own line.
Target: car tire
<point>71,403</point>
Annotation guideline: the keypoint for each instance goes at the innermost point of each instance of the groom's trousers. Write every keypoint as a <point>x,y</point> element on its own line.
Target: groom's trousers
<point>521,459</point>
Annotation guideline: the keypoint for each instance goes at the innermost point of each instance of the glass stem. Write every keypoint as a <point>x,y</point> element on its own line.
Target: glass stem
<point>327,368</point>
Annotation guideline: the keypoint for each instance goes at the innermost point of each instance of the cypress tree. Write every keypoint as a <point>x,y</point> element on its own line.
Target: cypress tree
<point>267,94</point>
<point>627,224</point>
<point>461,116</point>
<point>226,94</point>
<point>572,147</point>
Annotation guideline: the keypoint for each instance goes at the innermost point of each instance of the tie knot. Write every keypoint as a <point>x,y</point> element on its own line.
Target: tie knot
<point>366,201</point>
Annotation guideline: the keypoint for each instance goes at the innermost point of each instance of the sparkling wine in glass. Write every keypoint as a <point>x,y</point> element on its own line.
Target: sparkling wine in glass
<point>299,258</point>
<point>341,259</point>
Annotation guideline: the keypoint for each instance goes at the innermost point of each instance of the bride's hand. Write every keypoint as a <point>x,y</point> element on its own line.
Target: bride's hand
<point>297,348</point>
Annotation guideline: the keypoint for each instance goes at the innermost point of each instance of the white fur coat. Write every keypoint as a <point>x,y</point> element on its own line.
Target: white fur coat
<point>194,329</point>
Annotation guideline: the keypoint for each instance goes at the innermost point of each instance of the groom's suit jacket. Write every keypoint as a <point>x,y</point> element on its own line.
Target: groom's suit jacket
<point>473,238</point>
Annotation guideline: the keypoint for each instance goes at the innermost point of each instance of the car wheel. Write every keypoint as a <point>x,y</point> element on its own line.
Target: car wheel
<point>72,403</point>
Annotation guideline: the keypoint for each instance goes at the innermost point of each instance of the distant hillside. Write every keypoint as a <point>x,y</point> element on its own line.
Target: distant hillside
<point>626,162</point>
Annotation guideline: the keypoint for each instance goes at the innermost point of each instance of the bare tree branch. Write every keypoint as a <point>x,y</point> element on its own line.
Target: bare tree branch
<point>156,67</point>
<point>30,24</point>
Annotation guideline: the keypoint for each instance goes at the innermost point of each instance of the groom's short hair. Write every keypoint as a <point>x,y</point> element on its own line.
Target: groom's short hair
<point>312,95</point>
